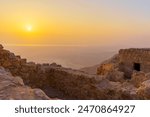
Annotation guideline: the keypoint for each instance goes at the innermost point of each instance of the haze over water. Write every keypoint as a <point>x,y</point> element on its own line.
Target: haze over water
<point>68,56</point>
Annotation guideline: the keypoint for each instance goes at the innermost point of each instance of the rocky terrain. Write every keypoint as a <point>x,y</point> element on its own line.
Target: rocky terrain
<point>13,88</point>
<point>63,83</point>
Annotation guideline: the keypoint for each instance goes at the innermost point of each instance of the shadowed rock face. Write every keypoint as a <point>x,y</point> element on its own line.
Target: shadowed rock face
<point>13,88</point>
<point>1,47</point>
<point>63,83</point>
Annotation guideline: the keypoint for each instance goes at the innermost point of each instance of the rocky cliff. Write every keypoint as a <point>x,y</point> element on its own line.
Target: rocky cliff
<point>64,83</point>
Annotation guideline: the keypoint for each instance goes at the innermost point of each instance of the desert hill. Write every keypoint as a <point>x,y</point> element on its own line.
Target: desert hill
<point>93,69</point>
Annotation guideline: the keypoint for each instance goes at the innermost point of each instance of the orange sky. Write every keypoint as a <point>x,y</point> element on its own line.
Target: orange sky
<point>71,22</point>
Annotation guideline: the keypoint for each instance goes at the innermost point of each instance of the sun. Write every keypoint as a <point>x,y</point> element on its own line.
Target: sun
<point>29,28</point>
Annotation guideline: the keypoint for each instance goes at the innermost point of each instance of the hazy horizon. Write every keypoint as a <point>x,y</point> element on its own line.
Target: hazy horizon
<point>75,57</point>
<point>72,56</point>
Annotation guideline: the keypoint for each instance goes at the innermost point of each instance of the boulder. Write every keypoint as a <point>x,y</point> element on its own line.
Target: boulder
<point>128,91</point>
<point>115,76</point>
<point>144,90</point>
<point>108,90</point>
<point>104,69</point>
<point>137,78</point>
<point>147,75</point>
<point>7,64</point>
<point>23,61</point>
<point>13,88</point>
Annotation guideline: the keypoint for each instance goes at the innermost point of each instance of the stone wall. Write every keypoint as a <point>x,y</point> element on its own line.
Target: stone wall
<point>72,83</point>
<point>128,57</point>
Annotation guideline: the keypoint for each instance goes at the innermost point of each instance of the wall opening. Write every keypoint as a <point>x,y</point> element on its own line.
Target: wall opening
<point>137,66</point>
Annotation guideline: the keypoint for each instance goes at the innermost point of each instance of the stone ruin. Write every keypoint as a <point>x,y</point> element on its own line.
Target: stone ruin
<point>131,60</point>
<point>20,79</point>
<point>127,61</point>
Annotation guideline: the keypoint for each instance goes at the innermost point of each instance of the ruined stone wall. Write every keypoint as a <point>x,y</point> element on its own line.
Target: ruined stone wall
<point>73,84</point>
<point>127,58</point>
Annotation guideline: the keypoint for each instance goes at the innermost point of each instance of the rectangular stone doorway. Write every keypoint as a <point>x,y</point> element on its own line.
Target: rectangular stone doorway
<point>137,66</point>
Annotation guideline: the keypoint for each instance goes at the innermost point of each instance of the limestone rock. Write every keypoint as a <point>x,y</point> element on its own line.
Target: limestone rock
<point>104,69</point>
<point>23,61</point>
<point>13,88</point>
<point>55,65</point>
<point>115,76</point>
<point>147,75</point>
<point>108,65</point>
<point>144,90</point>
<point>137,78</point>
<point>128,91</point>
<point>45,64</point>
<point>6,64</point>
<point>108,90</point>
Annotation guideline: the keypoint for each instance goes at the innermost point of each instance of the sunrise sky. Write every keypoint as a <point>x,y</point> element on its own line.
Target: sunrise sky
<point>74,22</point>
